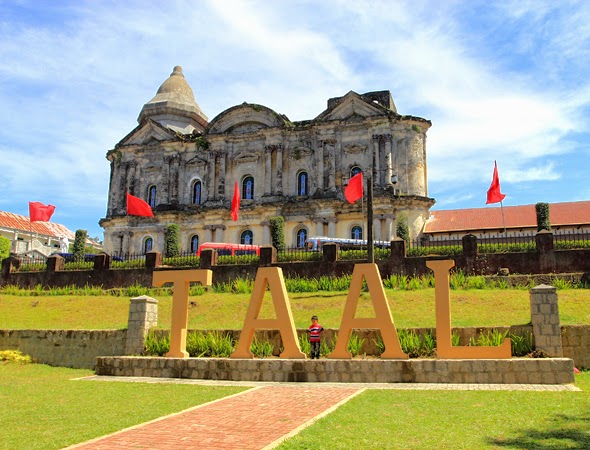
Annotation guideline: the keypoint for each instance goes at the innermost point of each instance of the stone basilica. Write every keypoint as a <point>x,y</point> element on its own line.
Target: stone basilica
<point>185,167</point>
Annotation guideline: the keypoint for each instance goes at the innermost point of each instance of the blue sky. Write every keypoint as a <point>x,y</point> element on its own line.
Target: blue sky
<point>500,80</point>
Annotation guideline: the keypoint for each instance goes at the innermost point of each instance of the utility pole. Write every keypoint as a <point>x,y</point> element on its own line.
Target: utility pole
<point>370,244</point>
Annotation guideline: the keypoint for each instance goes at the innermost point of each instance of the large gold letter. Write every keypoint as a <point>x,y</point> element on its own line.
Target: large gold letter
<point>444,346</point>
<point>181,280</point>
<point>382,319</point>
<point>273,277</point>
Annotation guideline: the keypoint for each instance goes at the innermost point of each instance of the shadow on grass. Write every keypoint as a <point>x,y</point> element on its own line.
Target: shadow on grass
<point>561,431</point>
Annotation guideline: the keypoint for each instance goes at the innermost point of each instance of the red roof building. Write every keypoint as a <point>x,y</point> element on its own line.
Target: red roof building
<point>564,217</point>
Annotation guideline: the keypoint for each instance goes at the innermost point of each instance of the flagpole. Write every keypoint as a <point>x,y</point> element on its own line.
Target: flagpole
<point>503,221</point>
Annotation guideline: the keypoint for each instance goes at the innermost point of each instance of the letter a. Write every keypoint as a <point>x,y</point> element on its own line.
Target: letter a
<point>381,321</point>
<point>273,277</point>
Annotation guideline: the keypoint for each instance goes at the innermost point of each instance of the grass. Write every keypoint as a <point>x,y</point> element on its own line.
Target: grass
<point>41,407</point>
<point>219,311</point>
<point>455,419</point>
<point>44,407</point>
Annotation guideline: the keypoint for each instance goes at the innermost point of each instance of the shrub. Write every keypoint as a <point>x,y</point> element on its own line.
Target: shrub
<point>80,245</point>
<point>14,356</point>
<point>402,230</point>
<point>172,240</point>
<point>4,247</point>
<point>277,232</point>
<point>261,349</point>
<point>543,222</point>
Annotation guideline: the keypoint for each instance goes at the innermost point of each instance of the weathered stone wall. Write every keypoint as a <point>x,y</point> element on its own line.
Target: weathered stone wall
<point>507,371</point>
<point>576,344</point>
<point>77,348</point>
<point>67,348</point>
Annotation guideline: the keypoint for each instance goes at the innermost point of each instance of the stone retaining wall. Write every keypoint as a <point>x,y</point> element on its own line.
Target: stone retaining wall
<point>575,340</point>
<point>508,371</point>
<point>67,348</point>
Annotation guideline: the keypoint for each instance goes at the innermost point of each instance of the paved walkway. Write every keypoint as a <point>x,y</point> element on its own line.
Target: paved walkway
<point>260,418</point>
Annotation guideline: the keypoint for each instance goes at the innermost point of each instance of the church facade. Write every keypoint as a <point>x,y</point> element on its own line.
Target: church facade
<point>186,167</point>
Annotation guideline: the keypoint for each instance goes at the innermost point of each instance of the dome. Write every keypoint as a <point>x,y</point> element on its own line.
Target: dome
<point>174,106</point>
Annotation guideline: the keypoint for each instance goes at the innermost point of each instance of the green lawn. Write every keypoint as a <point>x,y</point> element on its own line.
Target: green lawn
<point>487,307</point>
<point>41,407</point>
<point>44,407</point>
<point>379,419</point>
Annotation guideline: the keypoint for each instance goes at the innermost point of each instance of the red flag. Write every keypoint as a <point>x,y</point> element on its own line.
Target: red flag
<point>38,212</point>
<point>137,207</point>
<point>235,203</point>
<point>494,194</point>
<point>354,190</point>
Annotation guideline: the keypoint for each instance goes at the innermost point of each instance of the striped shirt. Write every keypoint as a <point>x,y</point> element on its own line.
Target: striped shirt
<point>314,332</point>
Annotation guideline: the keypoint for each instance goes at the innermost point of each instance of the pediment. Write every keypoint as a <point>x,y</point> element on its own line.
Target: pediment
<point>246,156</point>
<point>148,133</point>
<point>355,148</point>
<point>245,118</point>
<point>352,108</point>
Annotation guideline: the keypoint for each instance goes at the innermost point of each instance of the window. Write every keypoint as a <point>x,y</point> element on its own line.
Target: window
<point>356,232</point>
<point>148,243</point>
<point>152,196</point>
<point>302,183</point>
<point>248,188</point>
<point>301,238</point>
<point>355,171</point>
<point>247,237</point>
<point>196,192</point>
<point>194,243</point>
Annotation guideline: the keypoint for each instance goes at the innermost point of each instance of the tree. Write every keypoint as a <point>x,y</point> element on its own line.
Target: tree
<point>80,245</point>
<point>277,232</point>
<point>402,231</point>
<point>543,222</point>
<point>172,240</point>
<point>4,247</point>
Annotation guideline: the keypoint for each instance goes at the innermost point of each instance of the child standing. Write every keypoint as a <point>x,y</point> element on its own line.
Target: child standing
<point>314,332</point>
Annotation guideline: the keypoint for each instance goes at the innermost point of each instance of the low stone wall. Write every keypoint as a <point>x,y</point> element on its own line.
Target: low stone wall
<point>575,340</point>
<point>67,348</point>
<point>508,371</point>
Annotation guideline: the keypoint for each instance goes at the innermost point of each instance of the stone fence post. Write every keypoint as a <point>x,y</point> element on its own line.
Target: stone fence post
<point>545,320</point>
<point>545,252</point>
<point>331,252</point>
<point>55,263</point>
<point>208,258</point>
<point>102,261</point>
<point>268,255</point>
<point>153,260</point>
<point>143,314</point>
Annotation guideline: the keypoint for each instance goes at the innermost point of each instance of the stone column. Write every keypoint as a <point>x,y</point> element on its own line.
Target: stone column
<point>143,315</point>
<point>320,166</point>
<point>389,231</point>
<point>219,229</point>
<point>268,170</point>
<point>545,320</point>
<point>545,252</point>
<point>388,160</point>
<point>376,138</point>
<point>331,169</point>
<point>206,233</point>
<point>221,182</point>
<point>266,238</point>
<point>279,171</point>
<point>212,185</point>
<point>377,235</point>
<point>332,227</point>
<point>319,227</point>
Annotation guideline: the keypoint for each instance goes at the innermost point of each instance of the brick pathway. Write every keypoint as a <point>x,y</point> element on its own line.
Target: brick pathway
<point>256,419</point>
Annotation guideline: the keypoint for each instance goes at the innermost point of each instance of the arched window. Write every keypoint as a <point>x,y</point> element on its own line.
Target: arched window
<point>248,188</point>
<point>301,238</point>
<point>246,237</point>
<point>196,192</point>
<point>152,196</point>
<point>148,244</point>
<point>194,243</point>
<point>356,232</point>
<point>355,170</point>
<point>302,183</point>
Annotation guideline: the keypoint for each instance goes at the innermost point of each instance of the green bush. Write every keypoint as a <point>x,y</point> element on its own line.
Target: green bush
<point>172,240</point>
<point>543,222</point>
<point>277,232</point>
<point>402,231</point>
<point>80,245</point>
<point>4,247</point>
